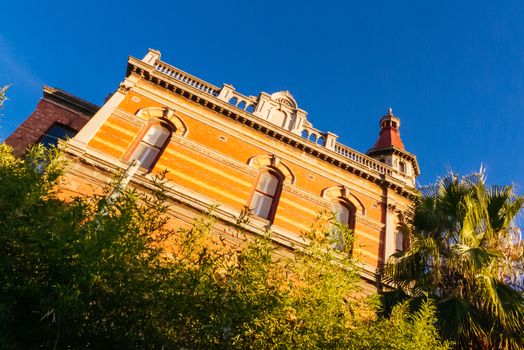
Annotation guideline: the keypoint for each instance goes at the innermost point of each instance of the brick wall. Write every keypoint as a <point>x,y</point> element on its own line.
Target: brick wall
<point>55,107</point>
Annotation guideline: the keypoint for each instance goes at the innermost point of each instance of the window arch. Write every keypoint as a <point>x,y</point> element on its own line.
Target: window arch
<point>266,194</point>
<point>275,163</point>
<point>343,195</point>
<point>169,116</point>
<point>153,142</point>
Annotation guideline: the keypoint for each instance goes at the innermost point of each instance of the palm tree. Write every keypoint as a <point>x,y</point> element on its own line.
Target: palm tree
<point>466,254</point>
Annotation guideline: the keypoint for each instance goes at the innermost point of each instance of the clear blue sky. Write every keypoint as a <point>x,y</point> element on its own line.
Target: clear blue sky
<point>453,71</point>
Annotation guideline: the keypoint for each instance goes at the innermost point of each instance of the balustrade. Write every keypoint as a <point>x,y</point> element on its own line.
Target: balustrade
<point>188,79</point>
<point>362,159</point>
<point>248,104</point>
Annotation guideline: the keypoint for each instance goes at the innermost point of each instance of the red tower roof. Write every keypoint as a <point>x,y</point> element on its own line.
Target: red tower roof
<point>389,135</point>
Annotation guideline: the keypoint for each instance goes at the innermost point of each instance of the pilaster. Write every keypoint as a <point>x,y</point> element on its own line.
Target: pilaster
<point>389,237</point>
<point>90,129</point>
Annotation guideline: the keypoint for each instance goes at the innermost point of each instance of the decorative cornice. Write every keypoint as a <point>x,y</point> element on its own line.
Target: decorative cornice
<point>214,155</point>
<point>307,195</point>
<point>117,112</point>
<point>396,151</point>
<point>244,168</point>
<point>210,101</point>
<point>370,223</point>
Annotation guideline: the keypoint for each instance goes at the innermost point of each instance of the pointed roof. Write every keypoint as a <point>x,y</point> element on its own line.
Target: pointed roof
<point>389,136</point>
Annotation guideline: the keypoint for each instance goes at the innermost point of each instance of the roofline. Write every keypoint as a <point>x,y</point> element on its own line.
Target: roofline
<point>206,94</point>
<point>59,95</point>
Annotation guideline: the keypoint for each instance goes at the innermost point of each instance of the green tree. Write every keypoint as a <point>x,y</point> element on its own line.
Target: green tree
<point>465,254</point>
<point>89,273</point>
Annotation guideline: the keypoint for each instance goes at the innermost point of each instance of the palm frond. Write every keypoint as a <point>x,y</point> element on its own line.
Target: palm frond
<point>458,319</point>
<point>502,302</point>
<point>474,259</point>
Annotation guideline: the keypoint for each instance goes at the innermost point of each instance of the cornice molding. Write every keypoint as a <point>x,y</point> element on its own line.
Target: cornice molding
<point>371,223</point>
<point>209,101</point>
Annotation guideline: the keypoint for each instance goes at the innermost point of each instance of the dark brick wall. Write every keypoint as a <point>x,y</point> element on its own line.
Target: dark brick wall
<point>46,113</point>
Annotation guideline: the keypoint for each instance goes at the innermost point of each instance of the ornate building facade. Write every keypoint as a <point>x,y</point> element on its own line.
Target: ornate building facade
<point>227,149</point>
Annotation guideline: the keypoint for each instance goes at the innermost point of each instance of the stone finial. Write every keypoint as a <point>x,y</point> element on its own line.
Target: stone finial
<point>390,111</point>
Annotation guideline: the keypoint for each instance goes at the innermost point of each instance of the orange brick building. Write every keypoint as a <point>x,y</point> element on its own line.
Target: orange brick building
<point>223,148</point>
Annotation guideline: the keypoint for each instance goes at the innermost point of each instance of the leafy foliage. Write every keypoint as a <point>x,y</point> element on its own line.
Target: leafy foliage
<point>466,254</point>
<point>90,273</point>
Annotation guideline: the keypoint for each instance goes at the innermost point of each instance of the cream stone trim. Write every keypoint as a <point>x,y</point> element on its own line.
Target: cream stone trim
<point>332,193</point>
<point>226,127</point>
<point>263,161</point>
<point>370,223</point>
<point>128,117</point>
<point>214,155</point>
<point>207,167</point>
<point>389,239</point>
<point>93,125</point>
<point>156,95</point>
<point>148,113</point>
<point>307,195</point>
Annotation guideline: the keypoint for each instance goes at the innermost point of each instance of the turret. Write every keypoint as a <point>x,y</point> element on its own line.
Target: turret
<point>390,149</point>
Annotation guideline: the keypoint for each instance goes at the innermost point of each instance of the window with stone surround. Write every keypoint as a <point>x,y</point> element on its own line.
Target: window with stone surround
<point>402,167</point>
<point>399,242</point>
<point>266,194</point>
<point>344,213</point>
<point>151,145</point>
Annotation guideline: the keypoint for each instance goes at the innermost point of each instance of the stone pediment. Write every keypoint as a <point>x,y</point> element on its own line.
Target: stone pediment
<point>281,109</point>
<point>285,98</point>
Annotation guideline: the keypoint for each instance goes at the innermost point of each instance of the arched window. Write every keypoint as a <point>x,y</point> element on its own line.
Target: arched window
<point>151,145</point>
<point>345,215</point>
<point>399,242</point>
<point>265,197</point>
<point>402,167</point>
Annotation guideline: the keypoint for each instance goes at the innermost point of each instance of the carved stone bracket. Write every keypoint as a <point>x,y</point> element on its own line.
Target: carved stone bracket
<point>391,208</point>
<point>125,87</point>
